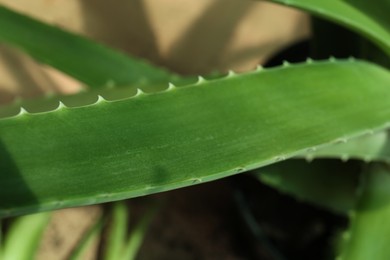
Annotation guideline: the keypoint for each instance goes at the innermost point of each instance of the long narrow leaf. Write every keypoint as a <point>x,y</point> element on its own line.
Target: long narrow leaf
<point>85,60</point>
<point>369,231</point>
<point>118,232</point>
<point>184,136</point>
<point>329,184</point>
<point>371,147</point>
<point>369,18</point>
<point>87,240</point>
<point>23,238</point>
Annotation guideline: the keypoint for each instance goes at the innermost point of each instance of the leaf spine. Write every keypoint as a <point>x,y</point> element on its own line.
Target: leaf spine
<point>286,63</point>
<point>332,59</point>
<point>344,157</point>
<point>171,87</point>
<point>60,105</point>
<point>309,158</point>
<point>259,67</point>
<point>231,73</point>
<point>100,99</point>
<point>200,80</point>
<point>22,111</point>
<point>309,60</point>
<point>139,92</point>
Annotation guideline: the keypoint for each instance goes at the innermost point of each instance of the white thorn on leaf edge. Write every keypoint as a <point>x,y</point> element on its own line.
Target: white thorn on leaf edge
<point>259,67</point>
<point>139,92</point>
<point>200,80</point>
<point>61,105</point>
<point>100,99</point>
<point>231,73</point>
<point>22,111</point>
<point>170,86</point>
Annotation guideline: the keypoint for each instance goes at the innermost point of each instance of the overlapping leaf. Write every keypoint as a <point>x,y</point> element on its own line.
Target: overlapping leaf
<point>369,229</point>
<point>370,18</point>
<point>151,143</point>
<point>85,60</point>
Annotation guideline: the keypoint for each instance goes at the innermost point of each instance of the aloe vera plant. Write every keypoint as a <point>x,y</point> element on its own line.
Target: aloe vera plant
<point>154,131</point>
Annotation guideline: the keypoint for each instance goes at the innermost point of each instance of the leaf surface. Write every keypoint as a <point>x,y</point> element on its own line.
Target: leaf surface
<point>329,184</point>
<point>369,231</point>
<point>184,136</point>
<point>369,18</point>
<point>91,63</point>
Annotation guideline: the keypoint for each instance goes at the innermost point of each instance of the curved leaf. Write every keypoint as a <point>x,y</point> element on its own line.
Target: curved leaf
<point>371,147</point>
<point>23,238</point>
<point>369,231</point>
<point>184,136</point>
<point>329,184</point>
<point>85,60</point>
<point>369,18</point>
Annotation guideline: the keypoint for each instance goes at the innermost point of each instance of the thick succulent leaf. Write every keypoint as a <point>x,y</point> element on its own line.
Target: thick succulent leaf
<point>137,236</point>
<point>329,184</point>
<point>118,232</point>
<point>184,136</point>
<point>23,238</point>
<point>87,240</point>
<point>371,147</point>
<point>85,60</point>
<point>370,18</point>
<point>369,231</point>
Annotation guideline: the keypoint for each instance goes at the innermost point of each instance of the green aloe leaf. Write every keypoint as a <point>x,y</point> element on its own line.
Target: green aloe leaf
<point>87,240</point>
<point>83,59</point>
<point>23,238</point>
<point>118,231</point>
<point>184,136</point>
<point>368,148</point>
<point>329,184</point>
<point>369,231</point>
<point>369,18</point>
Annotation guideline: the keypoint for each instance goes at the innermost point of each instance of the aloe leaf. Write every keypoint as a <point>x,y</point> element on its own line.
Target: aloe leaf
<point>184,136</point>
<point>83,59</point>
<point>329,184</point>
<point>23,238</point>
<point>118,232</point>
<point>137,236</point>
<point>311,181</point>
<point>369,231</point>
<point>87,240</point>
<point>370,147</point>
<point>369,18</point>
